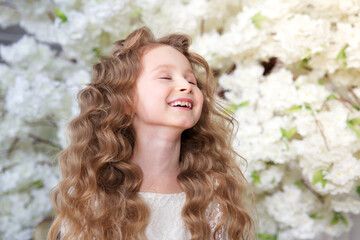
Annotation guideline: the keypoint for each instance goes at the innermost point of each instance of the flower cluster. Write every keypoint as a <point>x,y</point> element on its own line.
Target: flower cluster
<point>288,70</point>
<point>38,96</point>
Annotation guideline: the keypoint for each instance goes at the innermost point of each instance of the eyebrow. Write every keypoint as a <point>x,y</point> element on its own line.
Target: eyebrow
<point>171,67</point>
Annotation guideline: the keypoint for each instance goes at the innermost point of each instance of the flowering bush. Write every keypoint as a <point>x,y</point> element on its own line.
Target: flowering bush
<point>289,71</point>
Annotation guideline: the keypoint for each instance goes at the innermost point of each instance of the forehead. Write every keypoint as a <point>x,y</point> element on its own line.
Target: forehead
<point>164,55</point>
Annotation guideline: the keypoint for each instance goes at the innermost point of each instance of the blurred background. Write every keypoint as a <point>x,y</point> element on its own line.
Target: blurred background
<point>288,70</point>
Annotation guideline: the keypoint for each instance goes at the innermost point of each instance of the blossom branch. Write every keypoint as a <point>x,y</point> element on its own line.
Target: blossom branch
<point>357,100</point>
<point>12,147</point>
<point>306,184</point>
<point>45,141</point>
<point>319,125</point>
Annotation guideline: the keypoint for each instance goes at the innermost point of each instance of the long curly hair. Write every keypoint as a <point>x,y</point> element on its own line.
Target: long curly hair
<point>97,197</point>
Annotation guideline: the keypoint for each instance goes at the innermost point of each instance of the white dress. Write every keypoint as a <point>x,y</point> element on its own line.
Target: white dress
<point>166,222</point>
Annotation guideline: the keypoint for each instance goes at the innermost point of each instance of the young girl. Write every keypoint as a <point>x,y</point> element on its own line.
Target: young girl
<point>151,154</point>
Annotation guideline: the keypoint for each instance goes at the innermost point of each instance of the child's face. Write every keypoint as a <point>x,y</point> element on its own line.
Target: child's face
<point>166,76</point>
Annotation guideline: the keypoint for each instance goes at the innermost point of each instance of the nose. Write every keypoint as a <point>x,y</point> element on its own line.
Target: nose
<point>183,85</point>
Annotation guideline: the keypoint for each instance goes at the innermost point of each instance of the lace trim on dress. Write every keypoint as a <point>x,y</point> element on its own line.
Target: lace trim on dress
<point>214,214</point>
<point>166,221</point>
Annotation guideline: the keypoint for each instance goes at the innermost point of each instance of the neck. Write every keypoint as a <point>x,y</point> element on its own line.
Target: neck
<point>158,154</point>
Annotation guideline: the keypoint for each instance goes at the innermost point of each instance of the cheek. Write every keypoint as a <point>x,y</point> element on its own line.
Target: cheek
<point>200,99</point>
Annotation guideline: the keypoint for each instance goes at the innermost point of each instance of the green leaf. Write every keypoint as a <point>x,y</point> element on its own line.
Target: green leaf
<point>256,177</point>
<point>356,107</point>
<point>305,64</point>
<point>342,55</point>
<point>136,12</point>
<point>97,51</point>
<point>304,60</point>
<point>331,97</point>
<point>316,216</point>
<point>306,55</point>
<point>319,177</point>
<point>338,216</point>
<point>358,190</point>
<point>323,183</point>
<point>256,19</point>
<point>60,14</point>
<point>38,184</point>
<point>344,220</point>
<point>352,125</point>
<point>270,163</point>
<point>355,121</point>
<point>293,109</point>
<point>321,82</point>
<point>334,220</point>
<point>288,134</point>
<point>243,104</point>
<point>298,108</point>
<point>307,107</point>
<point>266,236</point>
<point>231,108</point>
<point>299,184</point>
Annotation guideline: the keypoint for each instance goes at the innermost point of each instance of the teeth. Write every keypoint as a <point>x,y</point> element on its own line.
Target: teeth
<point>182,104</point>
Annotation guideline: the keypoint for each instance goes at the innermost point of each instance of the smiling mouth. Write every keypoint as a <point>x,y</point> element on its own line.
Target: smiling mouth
<point>182,104</point>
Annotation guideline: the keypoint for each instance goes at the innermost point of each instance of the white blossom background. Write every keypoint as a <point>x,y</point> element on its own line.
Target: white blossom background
<point>288,70</point>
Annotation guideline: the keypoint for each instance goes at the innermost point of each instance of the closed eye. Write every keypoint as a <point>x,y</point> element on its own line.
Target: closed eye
<point>168,78</point>
<point>192,83</point>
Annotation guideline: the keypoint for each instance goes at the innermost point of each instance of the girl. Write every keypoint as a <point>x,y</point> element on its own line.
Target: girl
<point>151,154</point>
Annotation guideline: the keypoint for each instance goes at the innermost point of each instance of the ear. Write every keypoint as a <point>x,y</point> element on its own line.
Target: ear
<point>127,111</point>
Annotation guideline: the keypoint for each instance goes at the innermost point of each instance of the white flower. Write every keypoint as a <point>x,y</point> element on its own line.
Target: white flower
<point>211,47</point>
<point>267,224</point>
<point>270,178</point>
<point>7,77</point>
<point>291,208</point>
<point>335,128</point>
<point>243,84</point>
<point>298,32</point>
<point>26,53</point>
<point>345,170</point>
<point>35,98</point>
<point>346,78</point>
<point>347,205</point>
<point>304,122</point>
<point>74,28</point>
<point>24,48</point>
<point>175,14</point>
<point>8,16</point>
<point>313,95</point>
<point>236,43</point>
<point>278,87</point>
<point>339,228</point>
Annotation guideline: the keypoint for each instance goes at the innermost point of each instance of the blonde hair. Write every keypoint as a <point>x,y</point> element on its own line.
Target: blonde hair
<point>98,193</point>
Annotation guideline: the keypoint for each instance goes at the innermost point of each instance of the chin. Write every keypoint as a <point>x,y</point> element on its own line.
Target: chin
<point>185,124</point>
<point>186,127</point>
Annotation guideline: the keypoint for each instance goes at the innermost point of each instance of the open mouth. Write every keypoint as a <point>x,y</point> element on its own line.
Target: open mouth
<point>181,104</point>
